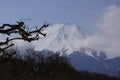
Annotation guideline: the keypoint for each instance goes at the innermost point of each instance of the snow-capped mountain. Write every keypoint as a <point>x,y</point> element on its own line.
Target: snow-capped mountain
<point>71,41</point>
<point>63,36</point>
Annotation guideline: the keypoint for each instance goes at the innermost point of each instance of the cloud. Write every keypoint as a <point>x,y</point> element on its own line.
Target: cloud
<point>109,37</point>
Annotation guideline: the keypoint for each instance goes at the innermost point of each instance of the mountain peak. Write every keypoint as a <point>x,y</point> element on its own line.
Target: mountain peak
<point>63,36</point>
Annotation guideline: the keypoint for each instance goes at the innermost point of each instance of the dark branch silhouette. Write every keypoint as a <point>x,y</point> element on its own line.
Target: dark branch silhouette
<point>22,30</point>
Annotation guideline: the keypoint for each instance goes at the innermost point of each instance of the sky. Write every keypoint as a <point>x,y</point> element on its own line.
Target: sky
<point>81,12</point>
<point>94,15</point>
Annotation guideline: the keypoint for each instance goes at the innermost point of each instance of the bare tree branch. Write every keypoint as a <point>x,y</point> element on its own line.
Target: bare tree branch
<point>22,30</point>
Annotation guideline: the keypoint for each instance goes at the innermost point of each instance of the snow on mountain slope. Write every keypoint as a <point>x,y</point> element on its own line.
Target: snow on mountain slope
<point>63,36</point>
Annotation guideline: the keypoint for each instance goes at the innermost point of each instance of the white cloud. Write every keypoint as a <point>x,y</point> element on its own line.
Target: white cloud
<point>109,38</point>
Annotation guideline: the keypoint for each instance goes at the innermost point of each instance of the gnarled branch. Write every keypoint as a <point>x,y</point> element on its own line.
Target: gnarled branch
<point>21,29</point>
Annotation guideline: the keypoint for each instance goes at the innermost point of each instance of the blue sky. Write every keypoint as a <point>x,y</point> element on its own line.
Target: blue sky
<point>81,12</point>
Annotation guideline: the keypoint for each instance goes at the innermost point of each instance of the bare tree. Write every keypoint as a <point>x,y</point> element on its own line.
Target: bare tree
<point>23,32</point>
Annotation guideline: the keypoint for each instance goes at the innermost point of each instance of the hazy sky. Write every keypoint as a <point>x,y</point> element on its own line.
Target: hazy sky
<point>81,12</point>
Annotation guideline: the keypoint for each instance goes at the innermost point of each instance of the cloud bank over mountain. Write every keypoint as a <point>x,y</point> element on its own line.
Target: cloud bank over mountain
<point>109,37</point>
<point>71,37</point>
